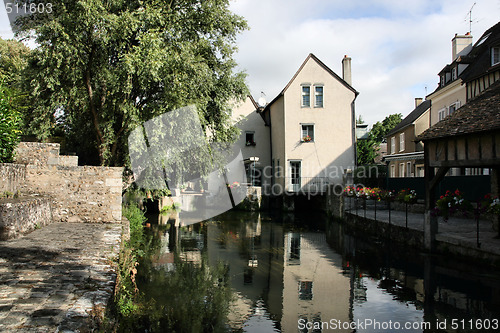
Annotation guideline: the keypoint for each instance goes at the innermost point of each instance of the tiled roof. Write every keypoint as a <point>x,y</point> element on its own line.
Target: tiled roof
<point>409,119</point>
<point>478,115</point>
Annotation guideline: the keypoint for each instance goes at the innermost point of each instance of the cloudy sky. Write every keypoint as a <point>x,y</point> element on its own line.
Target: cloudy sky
<point>397,46</point>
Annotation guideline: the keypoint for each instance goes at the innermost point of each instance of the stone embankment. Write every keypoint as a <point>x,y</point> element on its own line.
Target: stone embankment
<point>58,278</point>
<point>61,274</point>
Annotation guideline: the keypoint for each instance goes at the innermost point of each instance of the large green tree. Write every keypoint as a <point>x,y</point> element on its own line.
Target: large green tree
<point>367,149</point>
<point>103,67</point>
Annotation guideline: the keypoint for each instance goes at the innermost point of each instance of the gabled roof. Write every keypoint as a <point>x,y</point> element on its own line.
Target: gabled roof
<point>479,57</point>
<point>325,67</point>
<point>480,114</point>
<point>410,119</point>
<point>253,101</point>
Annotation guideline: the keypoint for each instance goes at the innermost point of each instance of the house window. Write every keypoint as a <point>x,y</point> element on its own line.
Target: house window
<point>307,133</point>
<point>454,73</point>
<point>401,170</point>
<point>306,96</point>
<point>393,145</point>
<point>393,171</point>
<point>408,169</point>
<point>305,290</point>
<point>250,138</point>
<point>442,80</point>
<point>442,114</point>
<point>318,96</point>
<point>401,142</point>
<point>453,108</point>
<point>495,55</point>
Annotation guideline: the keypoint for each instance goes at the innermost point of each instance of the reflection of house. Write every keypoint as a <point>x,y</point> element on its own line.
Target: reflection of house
<point>315,290</point>
<point>312,129</point>
<point>251,252</point>
<point>405,157</point>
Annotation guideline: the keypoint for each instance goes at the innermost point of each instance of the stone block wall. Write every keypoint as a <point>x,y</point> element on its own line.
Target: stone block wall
<point>11,176</point>
<point>38,154</point>
<point>19,216</point>
<point>77,193</point>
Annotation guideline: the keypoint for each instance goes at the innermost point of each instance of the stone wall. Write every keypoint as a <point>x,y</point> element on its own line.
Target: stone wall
<point>37,154</point>
<point>77,193</point>
<point>11,176</point>
<point>19,216</point>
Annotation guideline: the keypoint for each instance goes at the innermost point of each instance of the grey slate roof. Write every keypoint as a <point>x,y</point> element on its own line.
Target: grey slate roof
<point>409,119</point>
<point>480,114</point>
<point>479,57</point>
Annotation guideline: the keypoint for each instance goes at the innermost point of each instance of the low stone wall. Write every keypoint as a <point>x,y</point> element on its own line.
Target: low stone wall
<point>397,234</point>
<point>79,194</point>
<point>38,154</point>
<point>20,216</point>
<point>11,176</point>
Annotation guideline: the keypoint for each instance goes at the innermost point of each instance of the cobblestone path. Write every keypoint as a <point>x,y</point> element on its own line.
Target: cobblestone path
<point>52,278</point>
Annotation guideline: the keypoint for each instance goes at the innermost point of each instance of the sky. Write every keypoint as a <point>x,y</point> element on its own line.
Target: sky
<point>397,46</point>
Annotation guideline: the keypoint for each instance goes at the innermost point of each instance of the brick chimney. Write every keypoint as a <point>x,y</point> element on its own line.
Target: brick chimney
<point>460,45</point>
<point>346,70</point>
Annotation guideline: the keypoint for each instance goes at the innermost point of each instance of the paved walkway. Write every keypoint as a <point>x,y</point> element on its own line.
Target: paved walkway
<point>52,278</point>
<point>457,230</point>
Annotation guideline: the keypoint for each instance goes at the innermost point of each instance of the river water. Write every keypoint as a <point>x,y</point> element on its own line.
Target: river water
<point>293,273</point>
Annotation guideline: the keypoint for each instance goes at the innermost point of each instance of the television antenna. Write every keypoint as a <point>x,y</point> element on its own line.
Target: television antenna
<point>469,17</point>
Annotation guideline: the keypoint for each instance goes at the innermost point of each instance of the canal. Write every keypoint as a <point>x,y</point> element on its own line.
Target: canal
<point>256,272</point>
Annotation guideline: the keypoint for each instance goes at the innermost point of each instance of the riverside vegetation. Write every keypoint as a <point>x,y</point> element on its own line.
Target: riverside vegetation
<point>194,297</point>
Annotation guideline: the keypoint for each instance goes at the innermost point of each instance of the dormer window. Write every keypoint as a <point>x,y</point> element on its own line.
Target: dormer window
<point>442,80</point>
<point>454,73</point>
<point>495,55</point>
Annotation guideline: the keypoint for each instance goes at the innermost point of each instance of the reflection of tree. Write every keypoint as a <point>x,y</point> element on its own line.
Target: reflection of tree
<point>191,297</point>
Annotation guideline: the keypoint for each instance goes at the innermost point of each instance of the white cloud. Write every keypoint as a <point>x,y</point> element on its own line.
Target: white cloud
<point>397,47</point>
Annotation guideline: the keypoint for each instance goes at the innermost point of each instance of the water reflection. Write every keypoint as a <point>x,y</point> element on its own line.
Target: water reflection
<point>287,277</point>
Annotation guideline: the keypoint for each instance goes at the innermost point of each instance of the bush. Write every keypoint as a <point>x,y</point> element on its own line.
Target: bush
<point>10,122</point>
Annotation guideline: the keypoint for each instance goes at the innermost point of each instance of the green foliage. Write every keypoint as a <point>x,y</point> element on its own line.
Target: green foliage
<point>380,129</point>
<point>194,297</point>
<point>137,219</point>
<point>367,150</point>
<point>107,66</point>
<point>167,209</point>
<point>13,61</point>
<point>10,123</point>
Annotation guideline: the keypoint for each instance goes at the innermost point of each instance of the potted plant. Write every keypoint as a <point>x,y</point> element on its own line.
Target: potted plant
<point>450,203</point>
<point>307,138</point>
